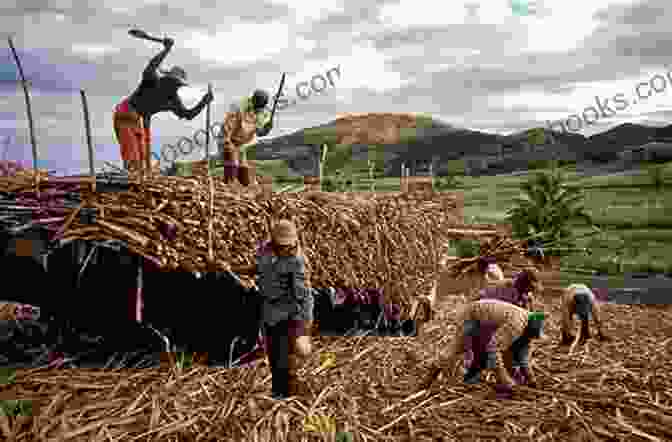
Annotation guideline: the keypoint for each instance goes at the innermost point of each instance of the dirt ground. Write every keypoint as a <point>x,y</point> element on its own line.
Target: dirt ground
<point>614,391</point>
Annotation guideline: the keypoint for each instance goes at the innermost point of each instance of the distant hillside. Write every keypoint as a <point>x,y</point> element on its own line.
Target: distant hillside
<point>406,138</point>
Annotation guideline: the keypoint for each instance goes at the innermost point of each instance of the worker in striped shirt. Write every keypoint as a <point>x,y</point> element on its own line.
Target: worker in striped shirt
<point>514,328</point>
<point>520,293</point>
<point>580,300</point>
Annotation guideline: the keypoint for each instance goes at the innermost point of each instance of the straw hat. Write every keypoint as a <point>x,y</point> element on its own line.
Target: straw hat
<point>284,233</point>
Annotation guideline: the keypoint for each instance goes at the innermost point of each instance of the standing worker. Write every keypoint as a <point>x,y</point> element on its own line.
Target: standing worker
<point>514,327</point>
<point>579,300</point>
<point>132,117</point>
<point>241,127</point>
<point>287,309</point>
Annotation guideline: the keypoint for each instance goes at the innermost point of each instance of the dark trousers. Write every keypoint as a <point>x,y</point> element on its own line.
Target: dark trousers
<point>278,354</point>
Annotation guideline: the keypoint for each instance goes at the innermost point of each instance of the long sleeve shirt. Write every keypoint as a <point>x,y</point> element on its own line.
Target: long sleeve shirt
<point>282,283</point>
<point>508,320</point>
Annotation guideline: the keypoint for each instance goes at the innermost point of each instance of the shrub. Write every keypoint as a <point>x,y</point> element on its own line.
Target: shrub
<point>546,209</point>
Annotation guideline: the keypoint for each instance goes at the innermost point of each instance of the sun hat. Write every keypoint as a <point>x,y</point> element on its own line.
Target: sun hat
<point>284,233</point>
<point>176,73</point>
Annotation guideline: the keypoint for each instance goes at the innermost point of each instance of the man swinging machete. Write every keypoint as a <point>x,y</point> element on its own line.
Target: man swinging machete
<point>132,117</point>
<point>241,126</point>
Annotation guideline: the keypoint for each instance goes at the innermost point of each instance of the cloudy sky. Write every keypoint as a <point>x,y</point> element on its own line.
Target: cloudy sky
<point>496,65</point>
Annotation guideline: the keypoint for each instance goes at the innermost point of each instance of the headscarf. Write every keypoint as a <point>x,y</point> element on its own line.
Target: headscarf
<point>523,281</point>
<point>484,262</point>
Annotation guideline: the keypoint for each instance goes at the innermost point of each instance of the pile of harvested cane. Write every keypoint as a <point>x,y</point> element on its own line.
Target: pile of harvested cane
<point>370,387</point>
<point>379,241</point>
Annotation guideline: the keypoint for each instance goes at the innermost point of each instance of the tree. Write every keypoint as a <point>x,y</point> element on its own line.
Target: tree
<point>657,175</point>
<point>546,209</point>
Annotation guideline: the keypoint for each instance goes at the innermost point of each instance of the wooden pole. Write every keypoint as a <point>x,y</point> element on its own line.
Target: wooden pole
<point>29,111</point>
<point>323,160</point>
<point>207,129</point>
<point>89,142</point>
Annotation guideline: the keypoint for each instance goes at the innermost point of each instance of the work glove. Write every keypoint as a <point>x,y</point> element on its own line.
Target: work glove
<point>168,43</point>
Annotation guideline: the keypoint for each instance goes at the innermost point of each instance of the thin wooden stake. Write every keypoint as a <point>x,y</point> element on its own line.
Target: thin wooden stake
<point>207,130</point>
<point>29,111</point>
<point>89,142</point>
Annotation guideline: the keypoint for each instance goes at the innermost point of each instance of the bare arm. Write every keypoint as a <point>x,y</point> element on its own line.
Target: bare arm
<point>182,112</point>
<point>155,62</point>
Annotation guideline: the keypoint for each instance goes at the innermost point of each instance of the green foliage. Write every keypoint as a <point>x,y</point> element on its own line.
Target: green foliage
<point>539,164</point>
<point>657,175</point>
<point>184,360</point>
<point>536,136</point>
<point>7,375</point>
<point>342,436</point>
<point>20,407</point>
<point>339,182</point>
<point>447,182</point>
<point>339,157</point>
<point>456,167</point>
<point>320,135</point>
<point>466,248</point>
<point>547,208</point>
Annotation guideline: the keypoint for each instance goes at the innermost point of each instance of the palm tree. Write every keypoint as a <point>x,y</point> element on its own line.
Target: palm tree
<point>547,208</point>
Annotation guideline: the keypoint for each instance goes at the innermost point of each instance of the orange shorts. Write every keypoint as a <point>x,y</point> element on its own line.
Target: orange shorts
<point>134,140</point>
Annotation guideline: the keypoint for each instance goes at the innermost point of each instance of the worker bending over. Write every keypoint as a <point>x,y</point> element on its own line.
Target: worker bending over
<point>579,300</point>
<point>242,125</point>
<point>483,346</point>
<point>514,328</point>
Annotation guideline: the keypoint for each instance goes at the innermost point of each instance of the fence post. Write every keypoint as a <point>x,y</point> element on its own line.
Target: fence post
<point>207,129</point>
<point>87,128</point>
<point>29,111</point>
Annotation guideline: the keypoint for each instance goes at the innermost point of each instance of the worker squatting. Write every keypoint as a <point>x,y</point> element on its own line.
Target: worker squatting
<point>497,326</point>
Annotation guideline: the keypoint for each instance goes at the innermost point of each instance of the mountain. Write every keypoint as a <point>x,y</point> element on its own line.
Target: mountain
<point>407,138</point>
<point>606,145</point>
<point>401,137</point>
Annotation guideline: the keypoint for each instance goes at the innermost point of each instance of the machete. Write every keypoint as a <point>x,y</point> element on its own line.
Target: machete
<point>277,96</point>
<point>137,33</point>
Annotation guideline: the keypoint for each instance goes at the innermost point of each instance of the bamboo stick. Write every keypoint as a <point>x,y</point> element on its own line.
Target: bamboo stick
<point>29,111</point>
<point>89,142</point>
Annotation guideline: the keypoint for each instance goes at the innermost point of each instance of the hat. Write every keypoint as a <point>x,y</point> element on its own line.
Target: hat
<point>176,73</point>
<point>284,233</point>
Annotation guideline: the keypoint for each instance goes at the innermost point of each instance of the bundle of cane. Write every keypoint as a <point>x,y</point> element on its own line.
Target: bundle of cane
<point>501,248</point>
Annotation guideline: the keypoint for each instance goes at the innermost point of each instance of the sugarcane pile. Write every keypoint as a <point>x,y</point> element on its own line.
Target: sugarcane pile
<point>382,241</point>
<point>370,387</point>
<point>511,253</point>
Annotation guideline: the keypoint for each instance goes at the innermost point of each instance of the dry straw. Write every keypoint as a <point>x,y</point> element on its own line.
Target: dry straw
<point>621,390</point>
